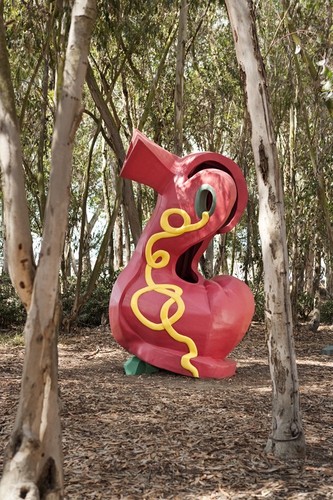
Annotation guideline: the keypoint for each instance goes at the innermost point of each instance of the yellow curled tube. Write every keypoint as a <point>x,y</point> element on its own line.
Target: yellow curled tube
<point>158,260</point>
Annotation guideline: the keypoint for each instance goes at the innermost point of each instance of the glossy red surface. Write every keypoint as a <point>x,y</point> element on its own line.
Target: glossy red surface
<point>216,313</point>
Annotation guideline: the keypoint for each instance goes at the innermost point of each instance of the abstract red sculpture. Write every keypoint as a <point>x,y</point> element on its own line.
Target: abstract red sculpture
<point>162,309</point>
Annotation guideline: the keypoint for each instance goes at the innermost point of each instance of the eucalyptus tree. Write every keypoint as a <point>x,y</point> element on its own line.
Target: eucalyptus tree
<point>132,82</point>
<point>33,467</point>
<point>309,30</point>
<point>179,84</point>
<point>295,37</point>
<point>287,438</point>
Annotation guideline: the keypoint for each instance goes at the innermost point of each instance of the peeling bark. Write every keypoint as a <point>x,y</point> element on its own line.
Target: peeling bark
<point>287,438</point>
<point>18,241</point>
<point>33,466</point>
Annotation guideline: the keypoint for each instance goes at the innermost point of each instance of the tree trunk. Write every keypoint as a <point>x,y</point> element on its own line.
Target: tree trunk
<point>207,261</point>
<point>18,241</point>
<point>221,264</point>
<point>118,148</point>
<point>127,240</point>
<point>118,242</point>
<point>153,88</point>
<point>4,263</point>
<point>287,439</point>
<point>42,141</point>
<point>309,265</point>
<point>179,87</point>
<point>84,264</point>
<point>290,182</point>
<point>33,468</point>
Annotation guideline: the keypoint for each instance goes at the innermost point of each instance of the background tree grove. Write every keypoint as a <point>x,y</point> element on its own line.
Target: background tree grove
<point>131,83</point>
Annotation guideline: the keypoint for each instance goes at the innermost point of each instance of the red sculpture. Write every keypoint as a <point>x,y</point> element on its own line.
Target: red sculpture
<point>162,309</point>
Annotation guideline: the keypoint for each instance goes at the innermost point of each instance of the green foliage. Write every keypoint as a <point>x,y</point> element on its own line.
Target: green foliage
<point>326,81</point>
<point>259,298</point>
<point>326,312</point>
<point>12,312</point>
<point>128,45</point>
<point>11,338</point>
<point>305,305</point>
<point>95,310</point>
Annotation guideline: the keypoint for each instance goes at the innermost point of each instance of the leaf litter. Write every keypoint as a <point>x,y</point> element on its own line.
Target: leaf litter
<point>164,436</point>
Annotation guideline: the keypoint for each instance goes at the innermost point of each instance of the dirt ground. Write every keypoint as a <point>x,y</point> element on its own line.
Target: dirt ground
<point>165,436</point>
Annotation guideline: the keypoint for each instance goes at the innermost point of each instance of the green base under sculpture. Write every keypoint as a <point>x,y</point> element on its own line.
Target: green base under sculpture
<point>135,366</point>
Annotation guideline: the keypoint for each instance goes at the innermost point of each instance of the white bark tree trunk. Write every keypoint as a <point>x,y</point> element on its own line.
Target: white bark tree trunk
<point>18,242</point>
<point>33,468</point>
<point>287,439</point>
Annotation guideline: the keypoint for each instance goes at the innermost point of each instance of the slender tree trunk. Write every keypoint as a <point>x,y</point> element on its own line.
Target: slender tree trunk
<point>233,251</point>
<point>287,438</point>
<point>179,87</point>
<point>209,254</point>
<point>221,265</point>
<point>153,88</point>
<point>131,210</point>
<point>18,241</point>
<point>309,265</point>
<point>118,242</point>
<point>248,257</point>
<point>293,237</point>
<point>127,240</point>
<point>4,263</point>
<point>317,271</point>
<point>84,264</point>
<point>118,148</point>
<point>207,261</point>
<point>66,261</point>
<point>62,30</point>
<point>33,467</point>
<point>224,265</point>
<point>96,271</point>
<point>42,141</point>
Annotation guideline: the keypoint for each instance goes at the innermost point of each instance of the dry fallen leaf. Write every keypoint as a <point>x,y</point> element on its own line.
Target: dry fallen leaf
<point>165,436</point>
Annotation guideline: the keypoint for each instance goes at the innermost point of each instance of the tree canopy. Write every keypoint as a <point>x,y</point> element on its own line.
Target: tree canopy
<point>131,84</point>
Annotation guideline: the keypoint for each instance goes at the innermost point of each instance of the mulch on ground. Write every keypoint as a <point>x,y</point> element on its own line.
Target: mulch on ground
<point>164,436</point>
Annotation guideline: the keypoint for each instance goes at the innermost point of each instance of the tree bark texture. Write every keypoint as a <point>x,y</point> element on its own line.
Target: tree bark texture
<point>287,438</point>
<point>179,87</point>
<point>33,467</point>
<point>18,241</point>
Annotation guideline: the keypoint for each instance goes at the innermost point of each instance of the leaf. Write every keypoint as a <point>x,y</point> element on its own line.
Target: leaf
<point>171,437</point>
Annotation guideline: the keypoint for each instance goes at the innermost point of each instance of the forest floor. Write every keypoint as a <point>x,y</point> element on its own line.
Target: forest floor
<point>164,436</point>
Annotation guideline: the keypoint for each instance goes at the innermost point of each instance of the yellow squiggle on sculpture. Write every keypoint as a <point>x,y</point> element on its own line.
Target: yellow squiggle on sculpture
<point>158,260</point>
